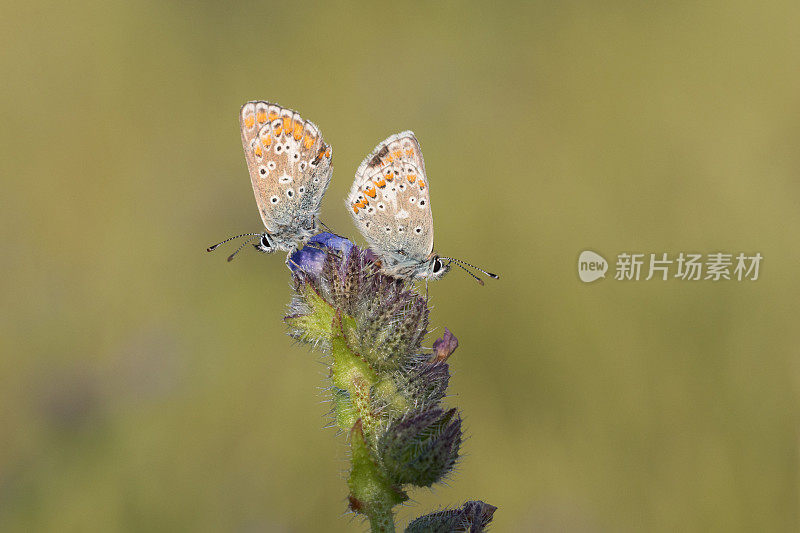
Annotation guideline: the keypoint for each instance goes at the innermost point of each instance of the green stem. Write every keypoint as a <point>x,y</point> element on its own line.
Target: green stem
<point>382,522</point>
<point>370,492</point>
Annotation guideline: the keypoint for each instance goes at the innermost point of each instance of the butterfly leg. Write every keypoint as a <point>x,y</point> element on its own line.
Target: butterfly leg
<point>323,248</point>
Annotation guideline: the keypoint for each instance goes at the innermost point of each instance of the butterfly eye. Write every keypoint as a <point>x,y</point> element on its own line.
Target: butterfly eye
<point>437,266</point>
<point>265,242</point>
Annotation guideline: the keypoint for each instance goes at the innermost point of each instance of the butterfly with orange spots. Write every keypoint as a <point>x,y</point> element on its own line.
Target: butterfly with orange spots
<point>290,169</point>
<point>390,203</point>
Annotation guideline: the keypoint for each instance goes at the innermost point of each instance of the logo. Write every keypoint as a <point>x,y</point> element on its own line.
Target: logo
<point>591,266</point>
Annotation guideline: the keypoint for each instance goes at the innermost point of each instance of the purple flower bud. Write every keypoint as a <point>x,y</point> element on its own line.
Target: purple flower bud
<point>421,448</point>
<point>310,258</point>
<point>472,517</point>
<point>428,382</point>
<point>444,347</point>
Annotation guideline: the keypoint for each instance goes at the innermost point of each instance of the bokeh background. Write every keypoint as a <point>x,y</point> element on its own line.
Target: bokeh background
<point>148,386</point>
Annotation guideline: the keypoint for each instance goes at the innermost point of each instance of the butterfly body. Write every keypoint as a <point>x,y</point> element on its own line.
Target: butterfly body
<point>397,264</point>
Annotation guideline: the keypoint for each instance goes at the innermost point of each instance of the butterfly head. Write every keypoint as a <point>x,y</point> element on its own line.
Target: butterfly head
<point>266,243</point>
<point>434,268</point>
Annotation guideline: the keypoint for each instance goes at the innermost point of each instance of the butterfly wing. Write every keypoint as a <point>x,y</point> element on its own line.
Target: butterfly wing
<point>290,167</point>
<point>390,201</point>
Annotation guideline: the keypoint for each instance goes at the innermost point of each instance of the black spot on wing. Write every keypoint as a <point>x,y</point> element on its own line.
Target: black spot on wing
<point>375,161</point>
<point>322,150</point>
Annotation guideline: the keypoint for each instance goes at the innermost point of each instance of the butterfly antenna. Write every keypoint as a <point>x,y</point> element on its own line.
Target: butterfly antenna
<point>212,248</point>
<point>495,276</point>
<point>239,249</point>
<point>479,280</point>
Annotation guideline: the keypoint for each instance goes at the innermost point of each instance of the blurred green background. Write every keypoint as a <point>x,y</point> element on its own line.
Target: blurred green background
<point>148,386</point>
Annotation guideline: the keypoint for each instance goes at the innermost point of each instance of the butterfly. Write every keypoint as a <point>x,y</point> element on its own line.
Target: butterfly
<point>390,203</point>
<point>290,169</point>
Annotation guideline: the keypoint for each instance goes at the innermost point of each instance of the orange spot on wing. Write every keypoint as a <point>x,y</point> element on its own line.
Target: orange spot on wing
<point>381,184</point>
<point>397,154</point>
<point>261,117</point>
<point>411,178</point>
<point>388,176</point>
<point>328,152</point>
<point>370,192</point>
<point>421,185</point>
<point>276,131</point>
<point>249,121</point>
<point>258,151</point>
<point>355,208</point>
<point>308,142</point>
<point>272,115</point>
<point>266,141</point>
<point>298,131</point>
<point>287,125</point>
<point>409,152</point>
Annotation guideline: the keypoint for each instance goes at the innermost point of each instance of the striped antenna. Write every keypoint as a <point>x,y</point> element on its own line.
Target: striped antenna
<point>461,264</point>
<point>239,249</point>
<point>214,247</point>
